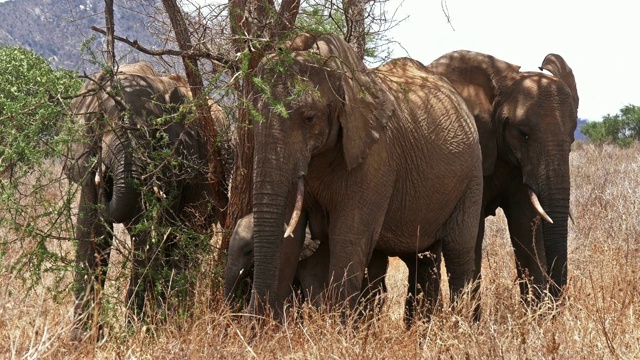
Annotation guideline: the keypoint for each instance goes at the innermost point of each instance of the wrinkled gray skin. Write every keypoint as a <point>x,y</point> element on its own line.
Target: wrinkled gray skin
<point>311,272</point>
<point>110,166</point>
<point>390,154</point>
<point>526,122</point>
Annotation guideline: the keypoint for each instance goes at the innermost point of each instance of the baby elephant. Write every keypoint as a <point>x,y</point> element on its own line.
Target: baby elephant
<point>311,273</point>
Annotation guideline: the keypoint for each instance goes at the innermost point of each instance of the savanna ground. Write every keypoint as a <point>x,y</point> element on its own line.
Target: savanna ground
<point>600,318</point>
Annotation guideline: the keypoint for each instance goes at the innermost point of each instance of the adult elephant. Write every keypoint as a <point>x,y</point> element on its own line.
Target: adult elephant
<point>138,145</point>
<point>391,155</point>
<point>311,272</point>
<point>526,122</point>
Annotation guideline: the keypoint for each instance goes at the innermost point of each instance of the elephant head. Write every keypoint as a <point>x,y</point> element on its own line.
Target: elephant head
<point>117,117</point>
<point>307,90</point>
<point>239,266</point>
<point>526,121</point>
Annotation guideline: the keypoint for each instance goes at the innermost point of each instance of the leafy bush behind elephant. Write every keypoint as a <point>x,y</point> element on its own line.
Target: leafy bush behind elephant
<point>526,123</point>
<point>143,162</point>
<point>390,154</point>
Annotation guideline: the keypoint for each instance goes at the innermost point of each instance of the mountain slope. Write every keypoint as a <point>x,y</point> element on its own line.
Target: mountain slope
<point>57,30</point>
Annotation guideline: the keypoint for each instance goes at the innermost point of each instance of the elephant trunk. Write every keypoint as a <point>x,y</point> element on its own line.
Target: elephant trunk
<point>271,186</point>
<point>234,276</point>
<point>121,188</point>
<point>555,197</point>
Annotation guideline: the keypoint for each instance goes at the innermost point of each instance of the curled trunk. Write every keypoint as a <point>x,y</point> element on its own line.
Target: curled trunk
<point>121,188</point>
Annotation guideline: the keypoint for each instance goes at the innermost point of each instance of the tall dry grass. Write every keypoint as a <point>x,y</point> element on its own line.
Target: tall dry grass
<point>599,319</point>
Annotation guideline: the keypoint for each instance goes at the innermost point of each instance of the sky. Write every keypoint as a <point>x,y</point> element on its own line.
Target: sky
<point>598,40</point>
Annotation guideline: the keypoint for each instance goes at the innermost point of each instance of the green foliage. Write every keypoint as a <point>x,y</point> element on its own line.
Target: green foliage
<point>33,102</point>
<point>321,16</point>
<point>621,129</point>
<point>328,16</point>
<point>34,201</point>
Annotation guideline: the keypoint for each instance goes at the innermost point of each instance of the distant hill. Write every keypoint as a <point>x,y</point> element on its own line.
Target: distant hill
<point>578,135</point>
<point>56,29</point>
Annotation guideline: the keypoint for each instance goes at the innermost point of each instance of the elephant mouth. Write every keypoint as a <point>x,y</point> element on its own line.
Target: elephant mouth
<point>107,187</point>
<point>241,293</point>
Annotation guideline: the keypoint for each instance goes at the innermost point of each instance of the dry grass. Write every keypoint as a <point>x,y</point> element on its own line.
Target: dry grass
<point>600,318</point>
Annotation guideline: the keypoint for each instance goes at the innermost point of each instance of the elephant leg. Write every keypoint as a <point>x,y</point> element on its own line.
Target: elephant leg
<point>312,274</point>
<point>345,275</point>
<point>139,281</point>
<point>374,285</point>
<point>92,256</point>
<point>460,235</point>
<point>289,256</point>
<point>353,234</point>
<point>423,283</point>
<point>528,244</point>
<point>178,255</point>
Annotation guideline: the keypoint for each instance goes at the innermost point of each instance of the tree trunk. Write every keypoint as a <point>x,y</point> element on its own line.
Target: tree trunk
<point>204,121</point>
<point>110,28</point>
<point>354,11</point>
<point>243,17</point>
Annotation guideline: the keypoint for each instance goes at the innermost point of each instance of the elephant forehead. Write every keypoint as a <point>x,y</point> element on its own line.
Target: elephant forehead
<point>536,93</point>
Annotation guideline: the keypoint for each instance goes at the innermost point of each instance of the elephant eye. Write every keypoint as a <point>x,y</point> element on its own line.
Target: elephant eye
<point>524,134</point>
<point>309,119</point>
<point>248,252</point>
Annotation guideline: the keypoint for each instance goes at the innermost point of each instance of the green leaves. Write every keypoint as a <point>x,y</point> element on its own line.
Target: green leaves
<point>35,201</point>
<point>621,129</point>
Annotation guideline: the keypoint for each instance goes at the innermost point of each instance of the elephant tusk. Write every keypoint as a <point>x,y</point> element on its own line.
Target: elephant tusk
<point>159,193</point>
<point>241,271</point>
<point>571,217</point>
<point>536,204</point>
<point>101,170</point>
<point>297,209</point>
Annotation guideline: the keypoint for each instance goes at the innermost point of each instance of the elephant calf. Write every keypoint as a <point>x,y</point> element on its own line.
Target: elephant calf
<point>312,270</point>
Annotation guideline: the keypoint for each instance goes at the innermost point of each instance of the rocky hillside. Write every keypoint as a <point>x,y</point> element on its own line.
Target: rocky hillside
<point>57,29</point>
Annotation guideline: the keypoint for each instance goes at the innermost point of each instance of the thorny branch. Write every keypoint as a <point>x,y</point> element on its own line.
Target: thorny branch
<point>220,62</point>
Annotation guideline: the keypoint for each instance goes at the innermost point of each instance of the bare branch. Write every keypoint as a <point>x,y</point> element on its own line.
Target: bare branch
<point>287,15</point>
<point>220,62</point>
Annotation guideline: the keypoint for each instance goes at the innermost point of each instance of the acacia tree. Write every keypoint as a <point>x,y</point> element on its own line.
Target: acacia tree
<point>253,28</point>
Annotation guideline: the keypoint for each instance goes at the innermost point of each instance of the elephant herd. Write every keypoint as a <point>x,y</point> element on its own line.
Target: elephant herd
<point>360,164</point>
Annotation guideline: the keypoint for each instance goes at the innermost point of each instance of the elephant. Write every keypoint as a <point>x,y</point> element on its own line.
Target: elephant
<point>125,122</point>
<point>526,122</point>
<point>311,272</point>
<point>391,155</point>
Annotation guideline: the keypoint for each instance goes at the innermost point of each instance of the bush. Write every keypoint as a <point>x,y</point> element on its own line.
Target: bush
<point>36,133</point>
<point>621,129</point>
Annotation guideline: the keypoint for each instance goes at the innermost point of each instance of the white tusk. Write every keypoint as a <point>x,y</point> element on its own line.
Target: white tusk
<point>297,209</point>
<point>571,217</point>
<point>536,204</point>
<point>159,193</point>
<point>101,170</point>
<point>241,271</point>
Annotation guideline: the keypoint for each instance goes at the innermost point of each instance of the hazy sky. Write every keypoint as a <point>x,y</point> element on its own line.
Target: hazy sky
<point>598,39</point>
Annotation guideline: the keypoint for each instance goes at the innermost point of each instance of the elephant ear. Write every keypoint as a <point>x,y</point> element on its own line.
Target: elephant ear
<point>556,65</point>
<point>366,108</point>
<point>479,79</point>
<point>86,109</point>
